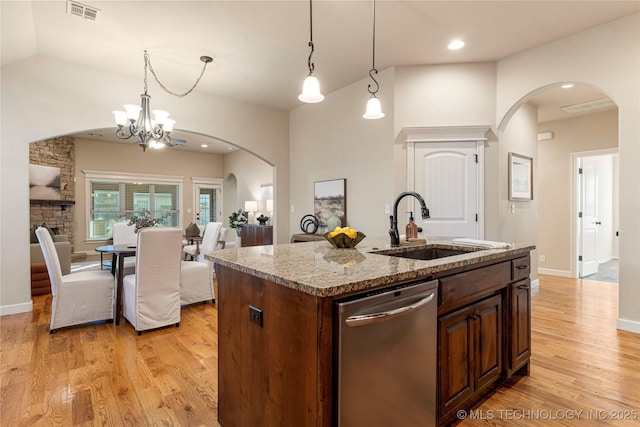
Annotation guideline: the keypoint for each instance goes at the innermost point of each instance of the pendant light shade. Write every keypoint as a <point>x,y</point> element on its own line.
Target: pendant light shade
<point>374,109</point>
<point>311,90</point>
<point>311,87</point>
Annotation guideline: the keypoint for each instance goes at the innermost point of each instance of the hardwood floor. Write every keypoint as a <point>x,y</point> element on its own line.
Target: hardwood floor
<point>104,374</point>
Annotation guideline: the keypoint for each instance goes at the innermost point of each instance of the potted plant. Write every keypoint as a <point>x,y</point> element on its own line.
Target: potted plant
<point>144,219</point>
<point>238,219</point>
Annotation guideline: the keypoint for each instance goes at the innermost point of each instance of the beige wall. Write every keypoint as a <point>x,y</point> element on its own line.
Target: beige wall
<point>607,57</point>
<point>129,158</point>
<point>252,176</point>
<point>586,133</point>
<point>518,219</point>
<point>331,140</point>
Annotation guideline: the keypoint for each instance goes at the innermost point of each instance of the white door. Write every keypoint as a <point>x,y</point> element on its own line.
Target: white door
<point>446,175</point>
<point>587,217</point>
<point>207,203</point>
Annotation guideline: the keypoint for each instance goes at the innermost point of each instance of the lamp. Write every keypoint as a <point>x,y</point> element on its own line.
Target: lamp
<point>374,109</point>
<point>250,206</point>
<point>311,87</point>
<point>154,133</point>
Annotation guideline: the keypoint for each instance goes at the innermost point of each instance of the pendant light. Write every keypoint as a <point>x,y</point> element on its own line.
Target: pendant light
<point>374,109</point>
<point>311,87</point>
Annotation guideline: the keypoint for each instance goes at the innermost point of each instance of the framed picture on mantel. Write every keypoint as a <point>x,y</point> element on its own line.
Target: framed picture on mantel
<point>330,203</point>
<point>520,177</point>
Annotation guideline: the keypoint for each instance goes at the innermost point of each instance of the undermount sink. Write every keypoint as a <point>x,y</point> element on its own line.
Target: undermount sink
<point>426,253</point>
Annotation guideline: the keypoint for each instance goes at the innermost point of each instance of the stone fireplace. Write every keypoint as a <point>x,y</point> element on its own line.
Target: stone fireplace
<point>57,215</point>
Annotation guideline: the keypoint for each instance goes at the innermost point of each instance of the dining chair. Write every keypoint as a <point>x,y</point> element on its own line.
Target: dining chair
<point>80,297</point>
<point>151,296</point>
<point>209,241</point>
<point>196,282</point>
<point>124,234</point>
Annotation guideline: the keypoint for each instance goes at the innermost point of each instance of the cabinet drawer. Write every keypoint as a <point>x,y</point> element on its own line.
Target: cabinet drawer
<point>464,288</point>
<point>520,268</point>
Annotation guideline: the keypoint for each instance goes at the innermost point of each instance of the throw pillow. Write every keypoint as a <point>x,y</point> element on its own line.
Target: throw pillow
<point>192,230</point>
<point>33,238</point>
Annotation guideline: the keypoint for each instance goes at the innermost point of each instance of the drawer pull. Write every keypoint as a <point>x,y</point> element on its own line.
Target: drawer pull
<point>523,287</point>
<point>522,267</point>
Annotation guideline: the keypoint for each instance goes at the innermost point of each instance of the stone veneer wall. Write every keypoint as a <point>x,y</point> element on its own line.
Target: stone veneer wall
<point>58,152</point>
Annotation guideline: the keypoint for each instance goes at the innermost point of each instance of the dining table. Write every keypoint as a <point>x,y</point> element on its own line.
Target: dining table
<point>119,253</point>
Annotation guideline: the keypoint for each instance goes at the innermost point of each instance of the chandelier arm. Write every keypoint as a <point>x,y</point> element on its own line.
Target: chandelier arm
<point>377,87</point>
<point>120,133</point>
<point>204,59</point>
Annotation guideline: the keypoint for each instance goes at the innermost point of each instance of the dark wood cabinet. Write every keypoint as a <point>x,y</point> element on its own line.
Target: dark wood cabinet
<point>484,333</point>
<point>256,235</point>
<point>520,325</point>
<point>280,371</point>
<point>469,352</point>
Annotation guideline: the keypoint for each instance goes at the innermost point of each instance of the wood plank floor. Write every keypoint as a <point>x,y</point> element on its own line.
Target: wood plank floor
<point>107,375</point>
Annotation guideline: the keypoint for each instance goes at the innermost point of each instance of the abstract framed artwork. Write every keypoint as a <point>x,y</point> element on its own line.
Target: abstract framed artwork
<point>330,201</point>
<point>520,177</point>
<point>44,182</point>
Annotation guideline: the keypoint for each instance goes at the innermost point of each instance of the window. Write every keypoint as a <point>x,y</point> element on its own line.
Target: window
<point>111,198</point>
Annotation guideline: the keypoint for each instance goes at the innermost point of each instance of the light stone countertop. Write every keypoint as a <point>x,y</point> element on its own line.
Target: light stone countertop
<point>316,268</point>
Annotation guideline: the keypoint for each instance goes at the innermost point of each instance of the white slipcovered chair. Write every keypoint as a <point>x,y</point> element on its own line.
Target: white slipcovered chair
<point>78,298</point>
<point>196,277</point>
<point>125,234</point>
<point>209,240</point>
<point>152,295</point>
<point>196,282</point>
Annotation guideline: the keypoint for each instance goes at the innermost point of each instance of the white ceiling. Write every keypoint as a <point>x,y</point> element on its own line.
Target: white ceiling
<point>260,48</point>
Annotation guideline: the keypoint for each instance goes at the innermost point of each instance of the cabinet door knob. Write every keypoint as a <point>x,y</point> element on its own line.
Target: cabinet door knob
<point>523,287</point>
<point>522,267</point>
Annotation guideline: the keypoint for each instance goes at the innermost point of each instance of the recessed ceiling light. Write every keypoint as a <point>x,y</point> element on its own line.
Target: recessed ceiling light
<point>455,44</point>
<point>204,146</point>
<point>567,86</point>
<point>229,148</point>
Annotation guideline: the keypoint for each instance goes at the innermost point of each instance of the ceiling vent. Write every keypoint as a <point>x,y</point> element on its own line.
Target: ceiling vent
<point>588,106</point>
<point>82,10</point>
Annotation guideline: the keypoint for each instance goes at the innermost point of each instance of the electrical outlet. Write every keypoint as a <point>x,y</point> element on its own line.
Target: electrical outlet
<point>387,209</point>
<point>255,315</point>
<point>543,258</point>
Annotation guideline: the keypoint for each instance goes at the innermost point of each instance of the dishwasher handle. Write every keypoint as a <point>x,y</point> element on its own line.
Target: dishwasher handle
<point>367,319</point>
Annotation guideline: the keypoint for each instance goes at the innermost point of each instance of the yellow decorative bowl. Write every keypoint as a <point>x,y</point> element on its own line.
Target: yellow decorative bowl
<point>341,240</point>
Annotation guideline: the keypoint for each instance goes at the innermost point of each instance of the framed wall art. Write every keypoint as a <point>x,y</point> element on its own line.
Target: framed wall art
<point>330,202</point>
<point>520,177</point>
<point>44,182</point>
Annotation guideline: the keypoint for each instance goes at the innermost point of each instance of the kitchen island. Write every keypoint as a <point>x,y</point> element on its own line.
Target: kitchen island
<point>276,340</point>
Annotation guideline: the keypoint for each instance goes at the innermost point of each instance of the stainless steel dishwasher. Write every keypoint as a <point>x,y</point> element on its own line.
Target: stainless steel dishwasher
<point>386,357</point>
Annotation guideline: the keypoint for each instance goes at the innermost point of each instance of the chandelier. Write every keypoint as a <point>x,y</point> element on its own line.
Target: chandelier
<point>136,120</point>
<point>311,86</point>
<point>374,109</point>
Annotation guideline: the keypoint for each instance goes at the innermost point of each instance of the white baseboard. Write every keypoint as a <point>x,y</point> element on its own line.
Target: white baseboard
<point>552,272</point>
<point>24,307</point>
<point>535,284</point>
<point>629,325</point>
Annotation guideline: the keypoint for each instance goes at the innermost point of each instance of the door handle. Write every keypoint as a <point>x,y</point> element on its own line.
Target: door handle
<point>523,286</point>
<point>522,267</point>
<point>367,319</point>
<point>598,223</point>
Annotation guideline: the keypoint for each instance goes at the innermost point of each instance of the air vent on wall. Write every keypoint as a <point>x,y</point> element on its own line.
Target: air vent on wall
<point>82,10</point>
<point>588,106</point>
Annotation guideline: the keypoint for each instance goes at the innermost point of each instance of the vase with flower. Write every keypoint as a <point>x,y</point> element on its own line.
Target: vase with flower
<point>144,219</point>
<point>237,219</point>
